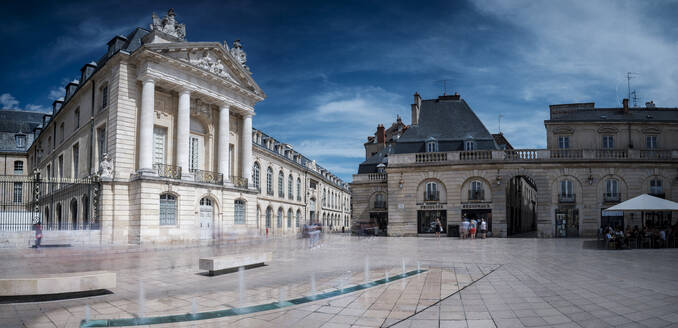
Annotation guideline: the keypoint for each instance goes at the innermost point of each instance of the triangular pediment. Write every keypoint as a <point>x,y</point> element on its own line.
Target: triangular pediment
<point>210,57</point>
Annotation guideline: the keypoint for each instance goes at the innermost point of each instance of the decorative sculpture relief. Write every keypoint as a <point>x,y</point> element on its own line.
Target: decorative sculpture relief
<point>106,167</point>
<point>209,62</point>
<point>202,109</point>
<point>169,25</point>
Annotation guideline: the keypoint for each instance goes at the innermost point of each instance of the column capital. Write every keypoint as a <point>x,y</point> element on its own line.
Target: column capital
<point>184,90</point>
<point>147,78</point>
<point>224,106</point>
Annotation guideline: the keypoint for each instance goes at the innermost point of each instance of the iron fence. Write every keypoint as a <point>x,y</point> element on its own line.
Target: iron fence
<point>58,204</point>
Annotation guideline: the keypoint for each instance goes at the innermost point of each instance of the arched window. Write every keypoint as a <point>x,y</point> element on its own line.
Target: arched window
<point>290,182</point>
<point>239,211</point>
<point>168,209</point>
<point>255,176</point>
<point>379,201</point>
<point>269,217</point>
<point>280,217</point>
<point>205,201</point>
<point>289,218</point>
<point>298,218</point>
<point>476,192</point>
<point>85,212</point>
<point>431,194</point>
<point>656,188</point>
<point>281,191</point>
<point>74,214</point>
<point>324,196</point>
<point>299,189</point>
<point>566,191</point>
<point>612,190</point>
<point>469,145</point>
<point>269,181</point>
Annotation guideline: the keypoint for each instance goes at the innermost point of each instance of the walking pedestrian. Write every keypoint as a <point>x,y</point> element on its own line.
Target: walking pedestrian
<point>38,234</point>
<point>439,228</point>
<point>474,225</point>
<point>464,228</point>
<point>483,229</point>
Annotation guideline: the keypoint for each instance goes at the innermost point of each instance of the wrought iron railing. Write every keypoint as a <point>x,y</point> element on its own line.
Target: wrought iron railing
<point>380,204</point>
<point>432,196</point>
<point>239,182</point>
<point>476,195</point>
<point>208,176</point>
<point>168,171</point>
<point>567,198</point>
<point>612,196</point>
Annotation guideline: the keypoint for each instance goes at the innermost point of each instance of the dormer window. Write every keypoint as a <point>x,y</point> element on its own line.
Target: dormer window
<point>431,145</point>
<point>20,140</point>
<point>469,145</point>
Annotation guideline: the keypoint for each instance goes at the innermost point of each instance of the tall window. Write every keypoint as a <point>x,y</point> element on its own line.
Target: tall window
<point>476,191</point>
<point>651,142</point>
<point>61,166</point>
<point>255,176</point>
<point>19,167</point>
<point>76,119</point>
<point>76,160</point>
<point>290,183</point>
<point>159,145</point>
<point>239,214</point>
<point>656,187</point>
<point>289,218</point>
<point>324,196</point>
<point>298,218</point>
<point>168,209</point>
<point>566,188</point>
<point>18,192</point>
<point>269,217</point>
<point>194,150</point>
<point>104,96</point>
<point>280,218</point>
<point>612,189</point>
<point>62,132</point>
<point>269,181</point>
<point>299,189</point>
<point>20,140</point>
<point>281,191</point>
<point>431,193</point>
<point>379,201</point>
<point>563,142</point>
<point>608,142</point>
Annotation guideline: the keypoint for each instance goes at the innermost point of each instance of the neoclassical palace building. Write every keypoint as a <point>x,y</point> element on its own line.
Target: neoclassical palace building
<point>446,165</point>
<point>163,127</point>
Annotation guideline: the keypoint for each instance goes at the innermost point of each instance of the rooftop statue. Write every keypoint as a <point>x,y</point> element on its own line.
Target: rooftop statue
<point>169,25</point>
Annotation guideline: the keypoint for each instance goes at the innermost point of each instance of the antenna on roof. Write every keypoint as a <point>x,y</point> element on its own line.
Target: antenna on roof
<point>634,96</point>
<point>499,119</point>
<point>629,76</point>
<point>444,85</point>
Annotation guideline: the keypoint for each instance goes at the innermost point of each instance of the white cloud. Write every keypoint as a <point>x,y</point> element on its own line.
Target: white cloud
<point>56,93</point>
<point>8,101</point>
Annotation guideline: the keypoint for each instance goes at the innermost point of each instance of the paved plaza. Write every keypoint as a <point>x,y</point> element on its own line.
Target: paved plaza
<point>463,283</point>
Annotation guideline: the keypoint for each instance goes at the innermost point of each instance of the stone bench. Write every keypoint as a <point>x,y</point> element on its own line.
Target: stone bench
<point>233,262</point>
<point>58,283</point>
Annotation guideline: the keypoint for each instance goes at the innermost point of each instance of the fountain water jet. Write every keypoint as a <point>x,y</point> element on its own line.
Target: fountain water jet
<point>313,290</point>
<point>418,266</point>
<point>194,307</point>
<point>141,299</point>
<point>241,278</point>
<point>403,266</point>
<point>386,274</point>
<point>367,269</point>
<point>87,314</point>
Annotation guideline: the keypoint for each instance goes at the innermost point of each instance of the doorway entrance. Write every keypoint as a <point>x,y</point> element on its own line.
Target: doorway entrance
<point>206,219</point>
<point>426,221</point>
<point>567,222</point>
<point>381,221</point>
<point>484,214</point>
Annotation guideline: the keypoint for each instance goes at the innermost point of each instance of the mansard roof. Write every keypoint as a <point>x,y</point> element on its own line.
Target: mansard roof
<point>19,121</point>
<point>587,112</point>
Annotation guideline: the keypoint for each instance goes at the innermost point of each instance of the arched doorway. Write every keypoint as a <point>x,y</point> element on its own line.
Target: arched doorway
<point>85,212</point>
<point>206,219</point>
<point>74,214</point>
<point>521,206</point>
<point>46,220</point>
<point>58,216</point>
<point>311,205</point>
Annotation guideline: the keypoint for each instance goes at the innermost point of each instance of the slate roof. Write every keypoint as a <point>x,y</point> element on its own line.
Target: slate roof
<point>370,164</point>
<point>19,121</point>
<point>588,113</point>
<point>501,140</point>
<point>451,122</point>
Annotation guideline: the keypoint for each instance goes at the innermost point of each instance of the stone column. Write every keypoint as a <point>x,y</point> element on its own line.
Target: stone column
<point>247,147</point>
<point>183,130</point>
<point>224,145</point>
<point>146,126</point>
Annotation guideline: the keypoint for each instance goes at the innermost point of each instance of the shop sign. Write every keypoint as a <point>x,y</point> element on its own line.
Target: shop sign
<point>475,206</point>
<point>432,207</point>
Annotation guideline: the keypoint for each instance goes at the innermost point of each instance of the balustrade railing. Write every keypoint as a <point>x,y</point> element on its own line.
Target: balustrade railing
<point>476,195</point>
<point>655,154</point>
<point>168,171</point>
<point>521,154</point>
<point>208,176</point>
<point>612,154</point>
<point>567,153</point>
<point>612,196</point>
<point>239,182</point>
<point>431,196</point>
<point>380,204</point>
<point>475,155</point>
<point>377,176</point>
<point>430,157</point>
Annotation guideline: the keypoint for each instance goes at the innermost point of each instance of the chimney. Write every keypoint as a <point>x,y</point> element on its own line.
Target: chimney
<point>381,134</point>
<point>626,105</point>
<point>650,104</point>
<point>416,108</point>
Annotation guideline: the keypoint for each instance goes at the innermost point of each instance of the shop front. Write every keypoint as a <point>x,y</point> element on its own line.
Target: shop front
<point>426,218</point>
<point>612,219</point>
<point>478,212</point>
<point>567,222</point>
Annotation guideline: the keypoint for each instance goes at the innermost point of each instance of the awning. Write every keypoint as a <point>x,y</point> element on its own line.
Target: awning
<point>646,203</point>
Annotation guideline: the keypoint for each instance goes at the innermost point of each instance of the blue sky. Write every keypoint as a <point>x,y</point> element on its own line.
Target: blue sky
<point>333,71</point>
